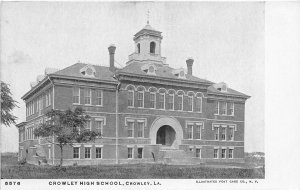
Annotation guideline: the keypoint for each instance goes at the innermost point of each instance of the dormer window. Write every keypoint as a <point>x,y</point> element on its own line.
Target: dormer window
<point>149,69</point>
<point>179,73</point>
<point>222,87</point>
<point>88,71</point>
<point>152,47</point>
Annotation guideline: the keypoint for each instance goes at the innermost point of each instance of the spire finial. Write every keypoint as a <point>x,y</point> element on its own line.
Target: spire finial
<point>148,16</point>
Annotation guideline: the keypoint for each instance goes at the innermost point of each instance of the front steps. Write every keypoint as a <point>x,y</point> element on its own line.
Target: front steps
<point>172,156</point>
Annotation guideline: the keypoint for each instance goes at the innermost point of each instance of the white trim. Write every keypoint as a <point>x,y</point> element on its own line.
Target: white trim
<point>233,129</point>
<point>143,131</point>
<point>199,148</point>
<point>78,152</point>
<point>100,118</point>
<point>90,95</point>
<point>152,87</point>
<point>85,148</point>
<point>99,145</point>
<point>126,88</point>
<point>223,127</point>
<point>223,148</point>
<point>218,152</point>
<point>200,104</point>
<point>87,145</point>
<point>137,149</point>
<point>97,97</point>
<point>162,89</point>
<point>187,126</point>
<point>181,102</point>
<point>132,152</point>
<point>217,106</point>
<point>141,86</point>
<point>192,104</point>
<point>172,102</point>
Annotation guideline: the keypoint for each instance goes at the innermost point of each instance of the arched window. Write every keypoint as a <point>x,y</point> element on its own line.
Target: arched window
<point>138,48</point>
<point>152,47</point>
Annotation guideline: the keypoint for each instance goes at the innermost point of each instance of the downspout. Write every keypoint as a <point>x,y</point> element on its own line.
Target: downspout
<point>52,108</point>
<point>117,122</point>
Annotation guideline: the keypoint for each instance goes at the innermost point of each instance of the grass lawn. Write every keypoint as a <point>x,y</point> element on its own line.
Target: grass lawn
<point>10,169</point>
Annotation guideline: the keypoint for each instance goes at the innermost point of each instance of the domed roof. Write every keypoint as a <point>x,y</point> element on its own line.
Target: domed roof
<point>148,30</point>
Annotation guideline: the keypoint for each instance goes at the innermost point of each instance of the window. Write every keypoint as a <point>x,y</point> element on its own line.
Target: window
<point>76,95</point>
<point>180,100</point>
<point>98,152</point>
<point>130,126</point>
<point>190,131</point>
<point>190,103</point>
<point>216,133</point>
<point>47,99</point>
<point>140,152</point>
<point>99,126</point>
<point>152,47</point>
<point>231,134</point>
<point>138,48</point>
<point>130,153</point>
<point>198,132</point>
<point>130,98</point>
<point>217,108</point>
<point>223,153</point>
<point>140,129</point>
<point>87,152</point>
<point>140,99</point>
<point>198,153</point>
<point>88,125</point>
<point>99,97</point>
<point>152,100</point>
<point>216,153</point>
<point>231,108</point>
<point>40,104</point>
<point>230,153</point>
<point>198,104</point>
<point>223,108</point>
<point>223,134</point>
<point>76,152</point>
<point>161,101</point>
<point>87,96</point>
<point>171,102</point>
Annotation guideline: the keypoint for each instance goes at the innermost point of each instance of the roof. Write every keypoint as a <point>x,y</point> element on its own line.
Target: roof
<point>163,71</point>
<point>102,72</point>
<point>212,89</point>
<point>148,30</point>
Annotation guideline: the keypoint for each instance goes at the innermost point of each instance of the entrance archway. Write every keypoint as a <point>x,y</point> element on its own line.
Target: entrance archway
<point>166,131</point>
<point>165,135</point>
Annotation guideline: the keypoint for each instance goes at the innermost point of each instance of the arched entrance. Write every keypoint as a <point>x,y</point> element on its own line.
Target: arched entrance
<point>165,135</point>
<point>166,131</point>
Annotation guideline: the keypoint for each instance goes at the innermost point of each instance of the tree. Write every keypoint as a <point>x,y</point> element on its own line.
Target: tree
<point>7,105</point>
<point>67,127</point>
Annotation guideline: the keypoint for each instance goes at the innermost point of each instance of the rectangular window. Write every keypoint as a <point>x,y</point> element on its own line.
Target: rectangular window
<point>99,97</point>
<point>223,108</point>
<point>180,100</point>
<point>198,104</point>
<point>231,134</point>
<point>140,129</point>
<point>223,154</point>
<point>223,134</point>
<point>161,101</point>
<point>190,131</point>
<point>130,153</point>
<point>217,108</point>
<point>75,152</point>
<point>152,100</point>
<point>87,152</point>
<point>130,126</point>
<point>140,152</point>
<point>216,133</point>
<point>98,152</point>
<point>88,125</point>
<point>99,126</point>
<point>140,96</point>
<point>198,132</point>
<point>190,103</point>
<point>76,95</point>
<point>230,153</point>
<point>38,105</point>
<point>49,153</point>
<point>230,108</point>
<point>216,153</point>
<point>171,102</point>
<point>87,96</point>
<point>198,153</point>
<point>130,98</point>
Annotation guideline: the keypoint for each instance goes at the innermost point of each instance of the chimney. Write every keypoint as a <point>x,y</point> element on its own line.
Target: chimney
<point>111,50</point>
<point>189,64</point>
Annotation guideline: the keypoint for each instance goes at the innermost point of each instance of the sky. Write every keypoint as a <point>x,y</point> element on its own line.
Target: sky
<point>225,39</point>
